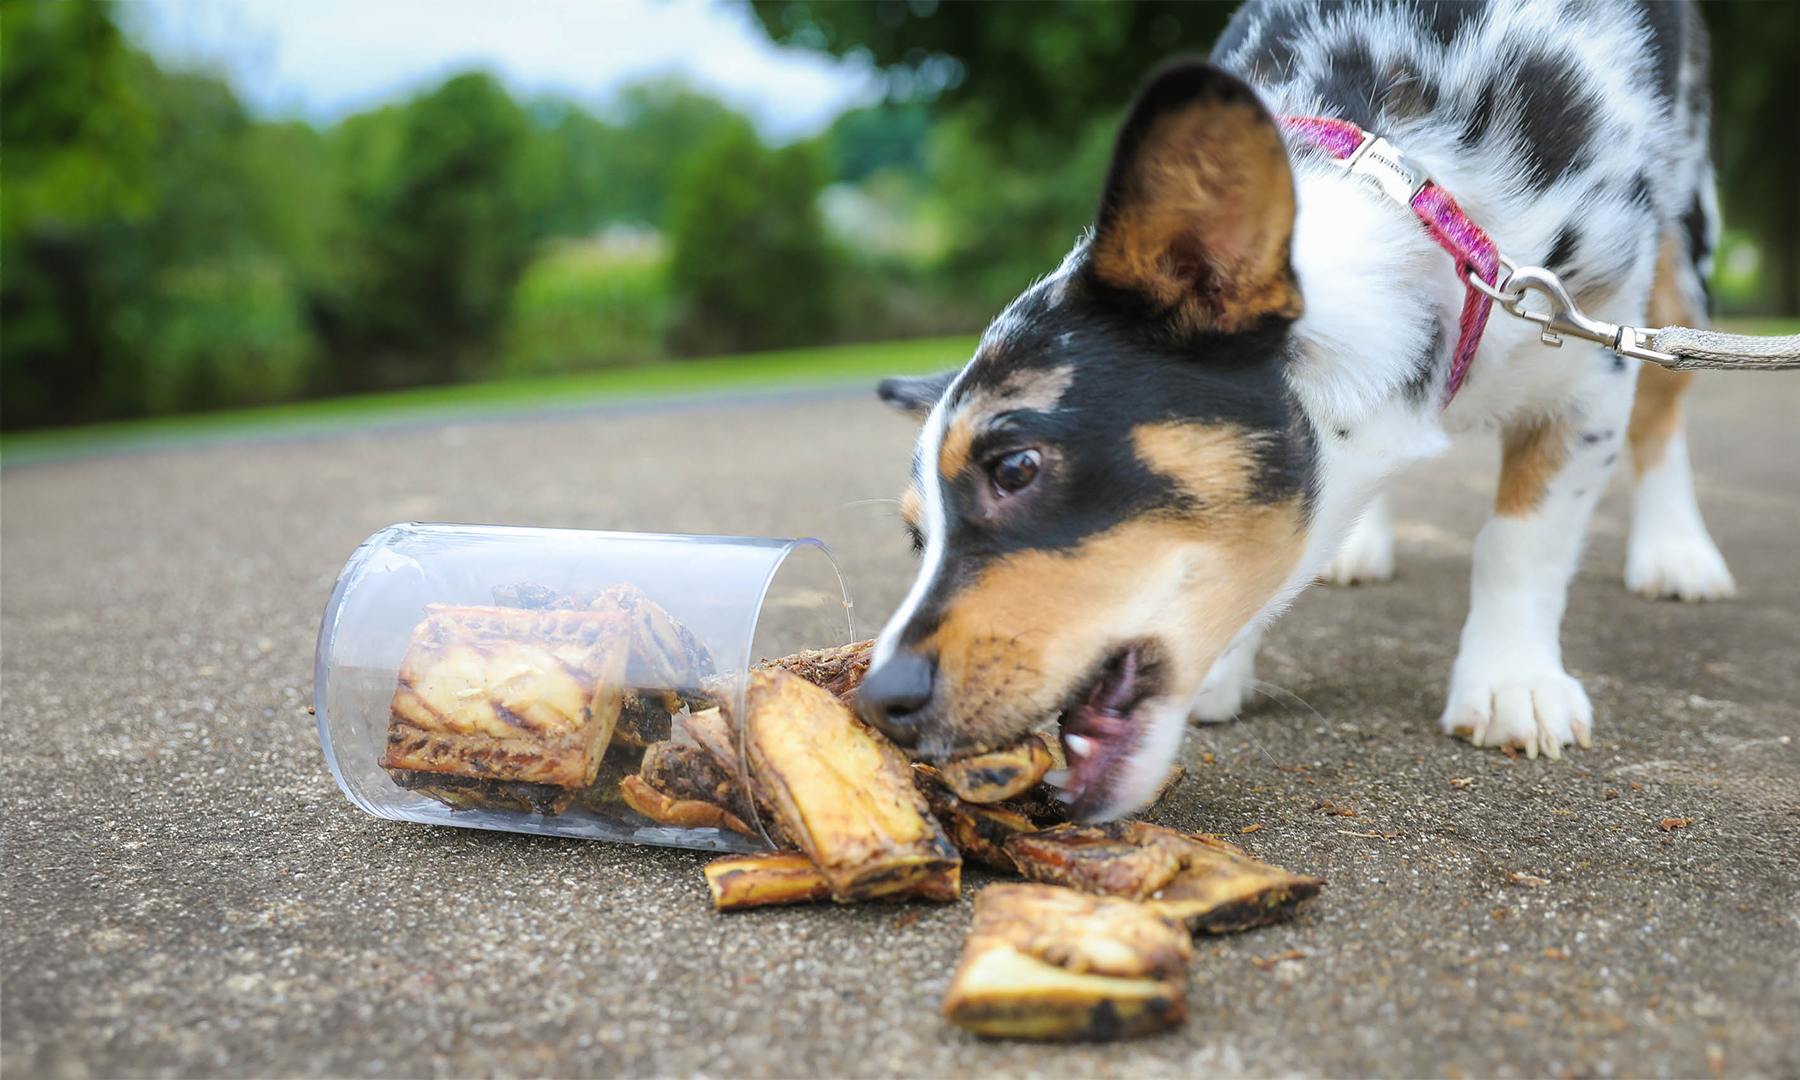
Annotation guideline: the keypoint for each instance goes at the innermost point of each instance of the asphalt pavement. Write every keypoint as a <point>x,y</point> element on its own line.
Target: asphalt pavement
<point>187,893</point>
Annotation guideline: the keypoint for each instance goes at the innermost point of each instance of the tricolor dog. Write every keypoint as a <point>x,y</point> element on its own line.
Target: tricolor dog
<point>1158,445</point>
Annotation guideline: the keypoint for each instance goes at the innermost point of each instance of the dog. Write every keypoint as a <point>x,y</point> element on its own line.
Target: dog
<point>1158,445</point>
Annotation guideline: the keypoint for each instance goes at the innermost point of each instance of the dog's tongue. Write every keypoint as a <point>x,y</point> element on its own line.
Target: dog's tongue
<point>1096,734</point>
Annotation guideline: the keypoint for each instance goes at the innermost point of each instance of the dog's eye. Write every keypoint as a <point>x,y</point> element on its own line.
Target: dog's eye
<point>1015,471</point>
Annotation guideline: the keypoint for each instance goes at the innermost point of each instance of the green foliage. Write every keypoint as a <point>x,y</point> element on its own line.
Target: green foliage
<point>440,228</point>
<point>1022,70</point>
<point>885,137</point>
<point>1755,101</point>
<point>750,266</point>
<point>1011,216</point>
<point>588,304</point>
<point>142,266</point>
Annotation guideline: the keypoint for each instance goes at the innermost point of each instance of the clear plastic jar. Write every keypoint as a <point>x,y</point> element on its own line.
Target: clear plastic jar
<point>511,678</point>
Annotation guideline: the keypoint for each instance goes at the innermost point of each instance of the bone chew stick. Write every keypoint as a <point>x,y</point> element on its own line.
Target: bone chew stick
<point>998,775</point>
<point>770,877</point>
<point>1207,883</point>
<point>843,793</point>
<point>1045,962</point>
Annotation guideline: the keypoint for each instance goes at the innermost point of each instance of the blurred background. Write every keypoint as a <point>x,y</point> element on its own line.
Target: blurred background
<point>219,204</point>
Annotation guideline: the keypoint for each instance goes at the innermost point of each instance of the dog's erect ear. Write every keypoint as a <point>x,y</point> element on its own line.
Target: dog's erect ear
<point>915,394</point>
<point>1199,203</point>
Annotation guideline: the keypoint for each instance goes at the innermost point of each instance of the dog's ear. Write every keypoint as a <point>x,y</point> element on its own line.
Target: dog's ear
<point>1199,204</point>
<point>914,395</point>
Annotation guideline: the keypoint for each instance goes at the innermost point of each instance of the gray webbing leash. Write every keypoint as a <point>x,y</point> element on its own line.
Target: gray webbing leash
<point>1678,348</point>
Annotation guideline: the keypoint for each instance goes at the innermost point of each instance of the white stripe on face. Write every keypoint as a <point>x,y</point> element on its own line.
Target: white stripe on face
<point>931,502</point>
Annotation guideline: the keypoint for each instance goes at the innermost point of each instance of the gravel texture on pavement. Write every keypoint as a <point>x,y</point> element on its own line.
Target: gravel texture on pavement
<point>186,892</point>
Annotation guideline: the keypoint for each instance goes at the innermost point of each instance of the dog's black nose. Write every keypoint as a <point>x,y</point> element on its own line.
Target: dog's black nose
<point>892,696</point>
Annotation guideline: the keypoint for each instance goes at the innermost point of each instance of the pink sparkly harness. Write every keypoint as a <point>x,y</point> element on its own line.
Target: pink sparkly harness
<point>1475,255</point>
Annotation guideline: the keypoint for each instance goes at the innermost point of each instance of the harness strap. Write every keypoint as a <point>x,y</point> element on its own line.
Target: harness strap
<point>1475,255</point>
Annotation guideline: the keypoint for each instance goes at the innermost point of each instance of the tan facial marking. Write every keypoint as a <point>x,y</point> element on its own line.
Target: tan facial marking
<point>1531,453</point>
<point>1204,223</point>
<point>1656,411</point>
<point>1212,461</point>
<point>953,450</point>
<point>911,508</point>
<point>1027,388</point>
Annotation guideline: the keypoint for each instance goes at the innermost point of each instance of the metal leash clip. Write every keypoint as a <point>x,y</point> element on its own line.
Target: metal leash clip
<point>1564,316</point>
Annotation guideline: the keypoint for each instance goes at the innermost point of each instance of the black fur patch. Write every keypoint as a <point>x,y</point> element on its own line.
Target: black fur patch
<point>1694,224</point>
<point>1446,20</point>
<point>1480,119</point>
<point>1352,86</point>
<point>1426,365</point>
<point>1667,42</point>
<point>1556,112</point>
<point>1639,192</point>
<point>1406,93</point>
<point>1562,251</point>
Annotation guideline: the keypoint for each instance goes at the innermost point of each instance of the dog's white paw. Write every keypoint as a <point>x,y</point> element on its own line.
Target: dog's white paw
<point>1537,710</point>
<point>1228,685</point>
<point>1368,552</point>
<point>1681,564</point>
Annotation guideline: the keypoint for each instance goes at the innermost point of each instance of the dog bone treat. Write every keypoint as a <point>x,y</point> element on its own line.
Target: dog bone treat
<point>764,879</point>
<point>667,664</point>
<point>1001,774</point>
<point>690,772</point>
<point>469,793</point>
<point>1044,962</point>
<point>979,831</point>
<point>843,793</point>
<point>665,809</point>
<point>1207,883</point>
<point>505,695</point>
<point>839,670</point>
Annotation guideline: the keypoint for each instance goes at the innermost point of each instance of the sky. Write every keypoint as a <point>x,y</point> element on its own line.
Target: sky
<point>326,59</point>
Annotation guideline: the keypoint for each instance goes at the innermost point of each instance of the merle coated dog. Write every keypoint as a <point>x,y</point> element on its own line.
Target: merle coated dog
<point>1159,444</point>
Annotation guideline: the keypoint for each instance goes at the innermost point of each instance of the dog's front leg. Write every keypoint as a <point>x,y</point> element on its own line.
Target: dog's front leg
<point>1228,686</point>
<point>1508,687</point>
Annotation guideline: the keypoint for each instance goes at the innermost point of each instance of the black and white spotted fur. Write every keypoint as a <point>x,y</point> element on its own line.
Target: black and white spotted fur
<point>1575,134</point>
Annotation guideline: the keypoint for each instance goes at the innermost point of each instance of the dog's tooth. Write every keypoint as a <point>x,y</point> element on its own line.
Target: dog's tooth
<point>1079,745</point>
<point>1059,778</point>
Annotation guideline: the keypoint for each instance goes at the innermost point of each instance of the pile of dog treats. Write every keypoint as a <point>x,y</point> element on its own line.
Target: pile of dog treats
<point>1094,946</point>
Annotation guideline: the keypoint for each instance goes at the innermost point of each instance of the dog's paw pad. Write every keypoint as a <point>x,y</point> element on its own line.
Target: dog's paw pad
<point>1538,712</point>
<point>1682,566</point>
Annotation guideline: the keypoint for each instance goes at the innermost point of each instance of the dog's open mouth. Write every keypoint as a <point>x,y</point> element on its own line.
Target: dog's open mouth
<point>1100,732</point>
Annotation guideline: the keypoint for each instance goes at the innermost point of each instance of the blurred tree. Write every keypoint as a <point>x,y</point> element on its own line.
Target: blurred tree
<point>438,228</point>
<point>143,265</point>
<point>1021,70</point>
<point>750,265</point>
<point>77,136</point>
<point>1756,101</point>
<point>862,142</point>
<point>660,123</point>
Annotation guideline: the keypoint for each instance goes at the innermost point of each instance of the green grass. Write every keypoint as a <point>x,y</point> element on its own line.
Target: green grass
<point>674,378</point>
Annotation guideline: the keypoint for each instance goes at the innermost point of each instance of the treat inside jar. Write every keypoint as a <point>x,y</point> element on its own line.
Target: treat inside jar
<point>548,700</point>
<point>489,699</point>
